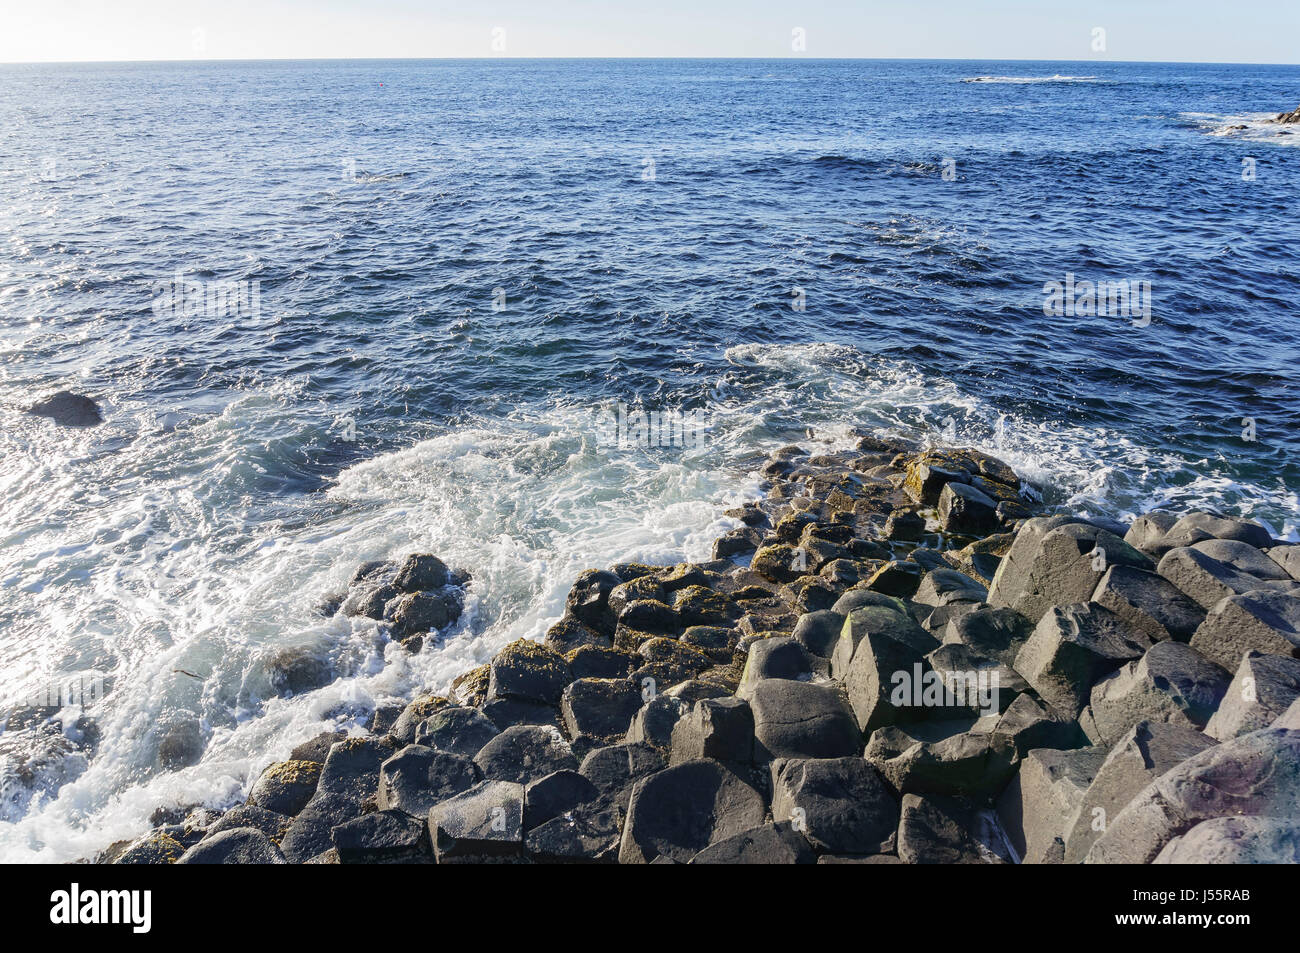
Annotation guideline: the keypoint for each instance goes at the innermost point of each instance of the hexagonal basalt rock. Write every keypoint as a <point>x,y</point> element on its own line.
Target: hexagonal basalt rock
<point>528,671</point>
<point>839,804</point>
<point>801,720</point>
<point>525,753</point>
<point>682,810</point>
<point>286,786</point>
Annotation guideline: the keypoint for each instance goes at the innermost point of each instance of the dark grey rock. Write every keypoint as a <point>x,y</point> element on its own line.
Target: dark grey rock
<point>557,793</point>
<point>1222,527</point>
<point>417,778</point>
<point>457,730</point>
<point>966,510</point>
<point>525,753</point>
<point>383,837</point>
<point>943,586</point>
<point>994,633</point>
<point>420,572</point>
<point>599,710</point>
<point>273,825</point>
<point>316,749</point>
<point>654,722</point>
<point>877,621</point>
<point>839,804</point>
<point>778,657</point>
<point>614,769</point>
<point>1262,690</point>
<point>1256,621</point>
<point>801,720</point>
<point>1144,753</point>
<point>1147,531</point>
<point>511,712</point>
<point>775,843</point>
<point>963,762</point>
<point>415,714</point>
<point>68,409</point>
<point>1171,682</point>
<point>718,728</point>
<point>680,811</point>
<point>818,631</point>
<point>238,845</point>
<point>352,767</point>
<point>590,833</point>
<point>286,786</point>
<point>1055,561</point>
<point>588,600</point>
<point>1205,579</point>
<point>1071,648</point>
<point>485,821</point>
<point>419,612</point>
<point>1039,806</point>
<point>938,829</point>
<point>309,834</point>
<point>1149,603</point>
<point>530,672</point>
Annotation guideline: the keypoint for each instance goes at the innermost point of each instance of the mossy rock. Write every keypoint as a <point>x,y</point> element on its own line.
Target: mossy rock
<point>471,688</point>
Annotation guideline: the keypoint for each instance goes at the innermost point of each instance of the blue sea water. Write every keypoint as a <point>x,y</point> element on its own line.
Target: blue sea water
<point>458,262</point>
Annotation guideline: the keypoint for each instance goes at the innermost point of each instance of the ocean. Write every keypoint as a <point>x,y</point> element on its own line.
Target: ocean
<point>347,310</point>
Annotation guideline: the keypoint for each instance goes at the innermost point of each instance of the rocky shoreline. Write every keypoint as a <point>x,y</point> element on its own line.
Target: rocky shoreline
<point>897,657</point>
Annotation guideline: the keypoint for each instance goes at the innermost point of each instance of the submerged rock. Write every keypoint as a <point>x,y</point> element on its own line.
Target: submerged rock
<point>68,409</point>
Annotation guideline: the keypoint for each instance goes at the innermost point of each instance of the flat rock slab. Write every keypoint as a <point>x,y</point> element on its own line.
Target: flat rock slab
<point>525,753</point>
<point>684,809</point>
<point>590,833</point>
<point>1149,603</point>
<point>802,720</point>
<point>457,730</point>
<point>487,820</point>
<point>614,769</point>
<point>418,777</point>
<point>310,832</point>
<point>383,837</point>
<point>238,845</point>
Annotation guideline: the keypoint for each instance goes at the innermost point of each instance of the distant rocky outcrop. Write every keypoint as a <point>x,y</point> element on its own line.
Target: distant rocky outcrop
<point>1289,118</point>
<point>68,409</point>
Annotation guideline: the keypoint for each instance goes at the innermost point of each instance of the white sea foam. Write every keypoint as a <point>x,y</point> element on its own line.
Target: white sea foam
<point>1254,126</point>
<point>1057,78</point>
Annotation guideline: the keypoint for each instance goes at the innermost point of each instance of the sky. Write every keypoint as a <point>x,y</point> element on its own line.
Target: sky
<point>1212,31</point>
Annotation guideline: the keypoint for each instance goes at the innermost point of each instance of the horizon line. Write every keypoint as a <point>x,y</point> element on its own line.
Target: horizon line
<point>524,59</point>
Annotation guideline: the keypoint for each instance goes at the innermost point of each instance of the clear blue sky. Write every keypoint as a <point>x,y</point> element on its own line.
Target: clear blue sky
<point>1238,31</point>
